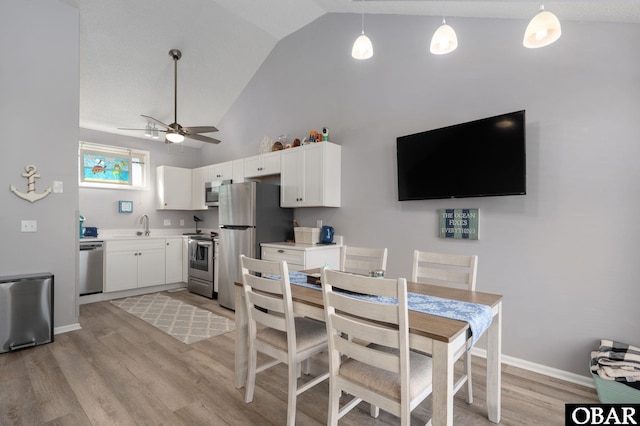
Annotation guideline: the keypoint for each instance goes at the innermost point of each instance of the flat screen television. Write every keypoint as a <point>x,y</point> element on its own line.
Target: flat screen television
<point>480,158</point>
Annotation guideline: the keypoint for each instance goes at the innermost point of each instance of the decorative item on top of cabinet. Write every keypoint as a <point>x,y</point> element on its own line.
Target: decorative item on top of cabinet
<point>310,176</point>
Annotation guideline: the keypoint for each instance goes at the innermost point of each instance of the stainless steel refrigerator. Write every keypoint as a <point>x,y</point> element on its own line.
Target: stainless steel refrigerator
<point>249,213</point>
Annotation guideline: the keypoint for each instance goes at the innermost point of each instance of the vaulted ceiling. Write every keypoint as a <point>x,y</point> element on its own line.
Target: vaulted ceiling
<point>125,68</point>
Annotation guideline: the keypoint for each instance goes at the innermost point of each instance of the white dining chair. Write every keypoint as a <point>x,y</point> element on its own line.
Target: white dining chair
<point>362,260</point>
<point>286,338</point>
<point>376,365</point>
<point>451,270</point>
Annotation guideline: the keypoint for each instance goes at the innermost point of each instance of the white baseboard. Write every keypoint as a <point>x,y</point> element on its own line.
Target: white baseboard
<point>100,297</point>
<point>67,328</point>
<point>540,369</point>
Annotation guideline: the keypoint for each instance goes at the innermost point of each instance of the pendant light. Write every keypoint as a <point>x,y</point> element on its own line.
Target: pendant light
<point>362,48</point>
<point>444,40</point>
<point>543,30</point>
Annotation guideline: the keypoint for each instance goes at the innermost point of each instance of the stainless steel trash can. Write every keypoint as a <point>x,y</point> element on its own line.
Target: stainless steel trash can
<point>26,311</point>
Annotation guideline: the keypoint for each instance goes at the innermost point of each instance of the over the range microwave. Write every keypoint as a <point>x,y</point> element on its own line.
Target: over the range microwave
<point>211,192</point>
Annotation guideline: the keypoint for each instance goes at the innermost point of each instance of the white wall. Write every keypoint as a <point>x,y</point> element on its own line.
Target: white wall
<point>39,120</point>
<point>563,256</point>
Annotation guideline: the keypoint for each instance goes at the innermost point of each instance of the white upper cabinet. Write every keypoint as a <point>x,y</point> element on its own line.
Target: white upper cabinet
<point>200,175</point>
<point>220,171</point>
<point>173,188</point>
<point>262,165</point>
<point>310,176</point>
<point>238,170</point>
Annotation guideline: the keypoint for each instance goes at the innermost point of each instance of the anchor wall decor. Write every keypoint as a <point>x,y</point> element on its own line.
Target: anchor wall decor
<point>31,194</point>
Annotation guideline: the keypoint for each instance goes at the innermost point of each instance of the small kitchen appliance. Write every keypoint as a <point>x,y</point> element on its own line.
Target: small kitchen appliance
<point>326,235</point>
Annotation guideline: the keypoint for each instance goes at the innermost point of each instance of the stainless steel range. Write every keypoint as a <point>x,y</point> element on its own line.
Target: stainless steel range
<point>202,266</point>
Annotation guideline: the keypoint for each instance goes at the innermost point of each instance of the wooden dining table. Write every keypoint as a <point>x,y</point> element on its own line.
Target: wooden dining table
<point>441,337</point>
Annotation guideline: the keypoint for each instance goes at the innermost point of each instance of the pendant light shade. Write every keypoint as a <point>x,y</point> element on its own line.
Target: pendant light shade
<point>174,137</point>
<point>444,40</point>
<point>543,30</point>
<point>362,48</point>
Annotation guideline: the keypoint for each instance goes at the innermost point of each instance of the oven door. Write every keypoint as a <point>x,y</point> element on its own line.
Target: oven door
<point>201,259</point>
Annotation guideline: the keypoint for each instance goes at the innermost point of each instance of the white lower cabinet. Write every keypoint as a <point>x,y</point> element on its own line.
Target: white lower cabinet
<point>302,256</point>
<point>173,260</point>
<point>142,262</point>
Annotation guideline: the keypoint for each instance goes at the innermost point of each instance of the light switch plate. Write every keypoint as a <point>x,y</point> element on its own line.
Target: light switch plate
<point>29,226</point>
<point>167,222</point>
<point>57,187</point>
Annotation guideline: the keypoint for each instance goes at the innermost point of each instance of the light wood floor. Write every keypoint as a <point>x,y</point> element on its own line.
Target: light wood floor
<point>119,370</point>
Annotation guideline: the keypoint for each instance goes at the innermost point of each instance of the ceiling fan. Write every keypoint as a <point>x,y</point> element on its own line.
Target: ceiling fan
<point>175,133</point>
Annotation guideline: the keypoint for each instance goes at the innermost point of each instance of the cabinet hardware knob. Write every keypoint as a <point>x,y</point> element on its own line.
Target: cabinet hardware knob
<point>280,251</point>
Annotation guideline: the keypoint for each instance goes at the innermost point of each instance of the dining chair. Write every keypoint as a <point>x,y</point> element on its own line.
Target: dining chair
<point>376,365</point>
<point>362,260</point>
<point>275,331</point>
<point>451,270</point>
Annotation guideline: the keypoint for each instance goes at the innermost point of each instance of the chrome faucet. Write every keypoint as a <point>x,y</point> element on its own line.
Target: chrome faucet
<point>145,224</point>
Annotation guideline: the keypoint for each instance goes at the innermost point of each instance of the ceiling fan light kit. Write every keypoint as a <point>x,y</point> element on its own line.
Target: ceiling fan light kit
<point>174,137</point>
<point>174,132</point>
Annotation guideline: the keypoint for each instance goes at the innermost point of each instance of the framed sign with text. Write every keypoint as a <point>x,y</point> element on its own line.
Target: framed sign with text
<point>459,224</point>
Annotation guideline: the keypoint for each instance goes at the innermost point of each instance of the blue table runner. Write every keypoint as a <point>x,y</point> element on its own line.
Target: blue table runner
<point>477,315</point>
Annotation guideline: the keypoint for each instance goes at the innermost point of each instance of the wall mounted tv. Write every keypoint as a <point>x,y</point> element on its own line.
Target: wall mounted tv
<point>480,158</point>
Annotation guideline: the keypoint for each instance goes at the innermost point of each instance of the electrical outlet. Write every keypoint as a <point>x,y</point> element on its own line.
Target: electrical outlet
<point>181,222</point>
<point>167,222</point>
<point>29,226</point>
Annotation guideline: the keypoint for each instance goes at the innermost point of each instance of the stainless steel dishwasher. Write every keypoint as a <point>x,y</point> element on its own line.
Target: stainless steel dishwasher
<point>91,266</point>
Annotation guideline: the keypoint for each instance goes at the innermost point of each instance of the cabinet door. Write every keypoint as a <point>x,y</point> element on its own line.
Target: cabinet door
<point>291,177</point>
<point>173,188</point>
<point>151,267</point>
<point>185,259</point>
<point>237,173</point>
<point>121,270</point>
<point>173,260</point>
<point>221,171</point>
<point>199,177</point>
<point>252,166</point>
<point>312,192</point>
<point>271,163</point>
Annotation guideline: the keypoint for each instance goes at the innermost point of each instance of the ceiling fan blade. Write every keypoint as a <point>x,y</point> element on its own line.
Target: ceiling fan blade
<point>199,129</point>
<point>201,138</point>
<point>155,120</point>
<point>126,128</point>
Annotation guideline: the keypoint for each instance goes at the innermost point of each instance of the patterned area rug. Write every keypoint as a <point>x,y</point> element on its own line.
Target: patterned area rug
<point>186,323</point>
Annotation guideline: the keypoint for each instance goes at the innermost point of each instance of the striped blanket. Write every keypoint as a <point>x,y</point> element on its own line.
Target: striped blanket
<point>617,361</point>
